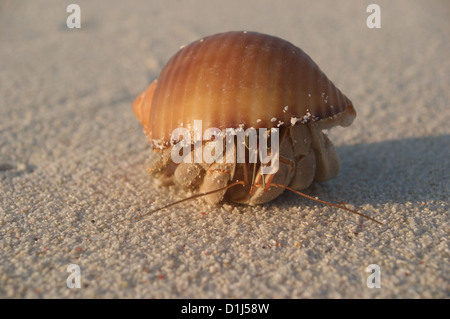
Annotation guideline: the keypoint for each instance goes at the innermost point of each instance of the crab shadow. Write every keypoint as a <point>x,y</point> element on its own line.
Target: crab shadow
<point>395,171</point>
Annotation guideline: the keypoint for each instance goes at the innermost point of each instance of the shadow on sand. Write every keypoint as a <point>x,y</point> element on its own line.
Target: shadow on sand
<point>396,171</point>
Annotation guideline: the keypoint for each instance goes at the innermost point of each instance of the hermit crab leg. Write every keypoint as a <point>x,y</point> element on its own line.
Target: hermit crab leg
<point>253,187</point>
<point>265,185</point>
<point>243,183</point>
<point>327,203</point>
<point>195,196</point>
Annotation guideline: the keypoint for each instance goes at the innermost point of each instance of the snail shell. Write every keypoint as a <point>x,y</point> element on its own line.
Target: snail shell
<point>239,79</point>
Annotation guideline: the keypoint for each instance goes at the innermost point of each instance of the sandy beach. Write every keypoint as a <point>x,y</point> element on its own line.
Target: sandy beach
<point>72,157</point>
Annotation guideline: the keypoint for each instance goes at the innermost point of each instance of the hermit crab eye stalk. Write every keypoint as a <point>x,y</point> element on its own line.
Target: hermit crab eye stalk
<point>243,81</point>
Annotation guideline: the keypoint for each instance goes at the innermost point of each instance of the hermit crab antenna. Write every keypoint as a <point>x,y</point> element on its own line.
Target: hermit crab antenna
<point>325,202</point>
<point>195,196</point>
<point>244,183</point>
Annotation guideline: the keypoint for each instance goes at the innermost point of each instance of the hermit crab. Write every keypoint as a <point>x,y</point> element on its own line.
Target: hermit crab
<point>246,82</point>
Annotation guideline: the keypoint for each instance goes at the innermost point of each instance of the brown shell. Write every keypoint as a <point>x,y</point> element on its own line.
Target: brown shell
<point>239,79</point>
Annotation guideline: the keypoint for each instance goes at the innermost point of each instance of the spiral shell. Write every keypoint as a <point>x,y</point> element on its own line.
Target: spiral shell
<point>239,79</point>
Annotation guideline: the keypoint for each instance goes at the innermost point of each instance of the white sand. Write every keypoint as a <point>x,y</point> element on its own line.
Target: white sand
<point>72,157</point>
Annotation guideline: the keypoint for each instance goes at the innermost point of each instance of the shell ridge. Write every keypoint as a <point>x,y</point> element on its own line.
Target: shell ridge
<point>163,96</point>
<point>188,78</point>
<point>220,101</point>
<point>254,99</point>
<point>278,75</point>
